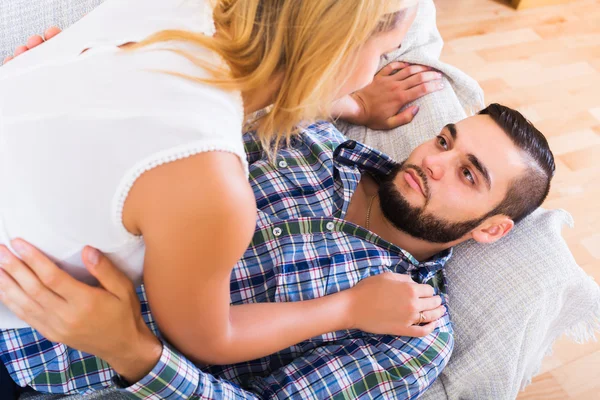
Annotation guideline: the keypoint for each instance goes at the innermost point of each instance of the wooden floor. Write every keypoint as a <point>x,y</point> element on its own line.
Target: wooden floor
<point>546,63</point>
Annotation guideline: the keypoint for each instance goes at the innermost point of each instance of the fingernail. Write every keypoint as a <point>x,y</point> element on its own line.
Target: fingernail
<point>20,247</point>
<point>441,85</point>
<point>93,256</point>
<point>415,110</point>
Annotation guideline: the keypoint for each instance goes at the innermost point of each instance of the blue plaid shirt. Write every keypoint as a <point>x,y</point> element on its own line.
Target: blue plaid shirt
<point>302,249</point>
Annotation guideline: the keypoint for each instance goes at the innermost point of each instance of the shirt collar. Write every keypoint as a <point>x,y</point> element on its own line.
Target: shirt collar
<point>440,258</point>
<point>354,154</point>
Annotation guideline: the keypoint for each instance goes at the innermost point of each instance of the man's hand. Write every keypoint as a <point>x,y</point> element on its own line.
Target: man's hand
<point>105,321</point>
<point>34,41</point>
<point>378,105</point>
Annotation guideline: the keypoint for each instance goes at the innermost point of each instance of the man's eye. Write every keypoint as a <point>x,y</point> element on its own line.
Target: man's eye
<point>442,142</point>
<point>467,174</point>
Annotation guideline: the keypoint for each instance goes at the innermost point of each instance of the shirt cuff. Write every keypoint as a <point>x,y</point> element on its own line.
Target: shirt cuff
<point>173,377</point>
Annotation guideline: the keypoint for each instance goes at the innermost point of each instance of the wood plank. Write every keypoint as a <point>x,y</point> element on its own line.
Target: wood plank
<point>522,4</point>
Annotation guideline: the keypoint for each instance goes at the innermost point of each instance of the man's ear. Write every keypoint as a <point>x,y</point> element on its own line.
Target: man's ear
<point>493,229</point>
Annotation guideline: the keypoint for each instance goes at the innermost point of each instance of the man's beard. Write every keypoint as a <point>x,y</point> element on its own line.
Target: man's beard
<point>415,221</point>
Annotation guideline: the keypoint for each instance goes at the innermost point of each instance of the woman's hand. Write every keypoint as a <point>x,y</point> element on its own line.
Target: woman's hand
<point>105,321</point>
<point>378,105</point>
<point>34,41</point>
<point>392,303</point>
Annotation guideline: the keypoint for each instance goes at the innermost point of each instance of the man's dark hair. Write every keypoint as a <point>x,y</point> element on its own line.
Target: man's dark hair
<point>528,191</point>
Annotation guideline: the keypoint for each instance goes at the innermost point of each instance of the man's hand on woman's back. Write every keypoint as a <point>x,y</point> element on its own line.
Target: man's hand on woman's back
<point>34,41</point>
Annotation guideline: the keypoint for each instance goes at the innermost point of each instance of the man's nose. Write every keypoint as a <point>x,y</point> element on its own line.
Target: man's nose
<point>435,166</point>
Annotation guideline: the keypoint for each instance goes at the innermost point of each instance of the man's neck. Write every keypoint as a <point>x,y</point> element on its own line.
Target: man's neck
<point>359,208</point>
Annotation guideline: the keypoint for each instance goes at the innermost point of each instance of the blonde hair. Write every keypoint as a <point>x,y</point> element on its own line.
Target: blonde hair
<point>307,41</point>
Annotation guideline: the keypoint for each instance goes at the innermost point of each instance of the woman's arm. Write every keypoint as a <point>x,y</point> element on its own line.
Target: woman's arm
<point>195,230</point>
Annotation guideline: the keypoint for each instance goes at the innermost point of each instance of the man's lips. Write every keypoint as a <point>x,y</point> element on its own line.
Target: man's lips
<point>414,181</point>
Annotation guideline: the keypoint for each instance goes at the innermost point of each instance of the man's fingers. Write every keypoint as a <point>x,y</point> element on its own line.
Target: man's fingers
<point>391,68</point>
<point>111,278</point>
<point>51,32</point>
<point>28,280</point>
<point>402,118</point>
<point>17,301</point>
<point>34,41</point>
<point>20,50</point>
<point>47,271</point>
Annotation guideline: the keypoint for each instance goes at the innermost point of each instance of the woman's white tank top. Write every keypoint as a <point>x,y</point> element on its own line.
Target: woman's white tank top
<point>78,127</point>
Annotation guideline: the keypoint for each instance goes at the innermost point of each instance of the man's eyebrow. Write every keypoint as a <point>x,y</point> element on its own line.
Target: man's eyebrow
<point>452,129</point>
<point>472,158</point>
<point>482,169</point>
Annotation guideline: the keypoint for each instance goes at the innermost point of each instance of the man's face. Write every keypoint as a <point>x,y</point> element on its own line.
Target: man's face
<point>448,184</point>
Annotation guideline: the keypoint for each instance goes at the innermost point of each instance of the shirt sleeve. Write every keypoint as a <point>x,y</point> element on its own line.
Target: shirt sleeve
<point>175,377</point>
<point>370,367</point>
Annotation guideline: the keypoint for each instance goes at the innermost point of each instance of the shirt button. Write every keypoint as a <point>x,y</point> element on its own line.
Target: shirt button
<point>277,231</point>
<point>283,164</point>
<point>330,226</point>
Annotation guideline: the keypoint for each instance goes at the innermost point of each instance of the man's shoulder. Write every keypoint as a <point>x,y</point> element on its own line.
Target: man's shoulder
<point>324,132</point>
<point>316,138</point>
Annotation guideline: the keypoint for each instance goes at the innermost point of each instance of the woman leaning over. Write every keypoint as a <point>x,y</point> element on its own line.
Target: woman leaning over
<point>185,213</point>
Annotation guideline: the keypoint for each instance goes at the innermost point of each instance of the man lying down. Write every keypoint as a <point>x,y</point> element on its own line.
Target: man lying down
<point>333,213</point>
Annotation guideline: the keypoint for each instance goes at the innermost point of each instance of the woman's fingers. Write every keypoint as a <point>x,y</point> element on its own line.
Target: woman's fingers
<point>7,59</point>
<point>423,89</point>
<point>51,32</point>
<point>430,315</point>
<point>111,279</point>
<point>420,78</point>
<point>420,330</point>
<point>47,271</point>
<point>424,290</point>
<point>391,68</point>
<point>402,118</point>
<point>408,71</point>
<point>429,303</point>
